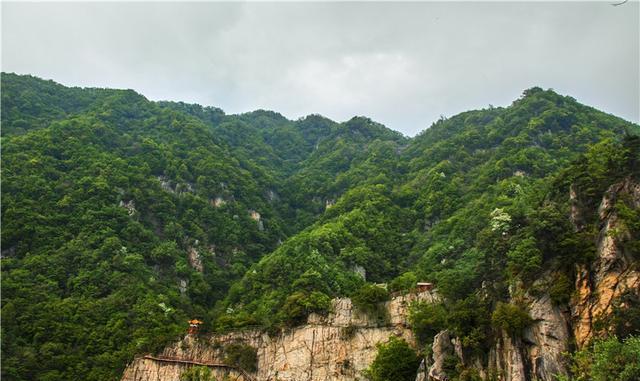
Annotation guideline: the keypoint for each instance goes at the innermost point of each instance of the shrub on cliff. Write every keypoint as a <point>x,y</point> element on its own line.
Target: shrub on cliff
<point>197,373</point>
<point>403,282</point>
<point>427,319</point>
<point>607,360</point>
<point>243,356</point>
<point>395,361</point>
<point>510,317</point>
<point>300,304</point>
<point>369,299</point>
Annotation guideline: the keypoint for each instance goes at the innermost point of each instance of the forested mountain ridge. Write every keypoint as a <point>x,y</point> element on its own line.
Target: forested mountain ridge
<point>123,217</point>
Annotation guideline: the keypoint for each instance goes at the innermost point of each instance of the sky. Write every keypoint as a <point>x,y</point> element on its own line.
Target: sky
<point>401,64</point>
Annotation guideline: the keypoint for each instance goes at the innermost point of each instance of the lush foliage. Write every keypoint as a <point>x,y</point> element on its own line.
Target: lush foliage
<point>242,356</point>
<point>369,296</point>
<point>511,318</point>
<point>197,373</point>
<point>607,360</point>
<point>122,218</point>
<point>427,319</point>
<point>395,361</point>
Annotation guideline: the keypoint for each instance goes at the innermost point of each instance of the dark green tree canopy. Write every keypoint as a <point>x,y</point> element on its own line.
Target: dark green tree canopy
<point>122,218</point>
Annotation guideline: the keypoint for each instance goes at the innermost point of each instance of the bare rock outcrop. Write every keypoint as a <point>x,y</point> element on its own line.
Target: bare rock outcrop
<point>548,339</point>
<point>193,255</point>
<point>442,348</point>
<point>613,273</point>
<point>339,346</point>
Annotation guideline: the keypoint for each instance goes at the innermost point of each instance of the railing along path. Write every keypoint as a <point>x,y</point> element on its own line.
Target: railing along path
<point>178,360</point>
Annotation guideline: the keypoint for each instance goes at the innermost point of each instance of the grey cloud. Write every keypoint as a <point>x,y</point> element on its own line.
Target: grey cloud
<point>403,64</point>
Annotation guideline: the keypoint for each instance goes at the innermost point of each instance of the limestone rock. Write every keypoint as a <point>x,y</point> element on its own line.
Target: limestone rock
<point>130,206</point>
<point>612,274</point>
<point>337,347</point>
<point>548,339</point>
<point>442,348</point>
<point>194,259</point>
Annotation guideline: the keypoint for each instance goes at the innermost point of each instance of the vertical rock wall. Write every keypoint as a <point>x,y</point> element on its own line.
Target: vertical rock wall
<point>337,347</point>
<point>343,344</point>
<point>613,273</point>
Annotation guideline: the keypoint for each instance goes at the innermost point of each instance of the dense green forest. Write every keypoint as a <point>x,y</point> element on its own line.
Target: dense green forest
<point>122,218</point>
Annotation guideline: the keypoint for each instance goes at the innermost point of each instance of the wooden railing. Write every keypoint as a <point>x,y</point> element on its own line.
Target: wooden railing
<point>178,360</point>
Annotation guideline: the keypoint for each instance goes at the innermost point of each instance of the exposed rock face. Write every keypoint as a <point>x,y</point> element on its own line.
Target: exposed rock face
<point>336,347</point>
<point>149,369</point>
<point>182,286</point>
<point>422,374</point>
<point>343,344</point>
<point>272,196</point>
<point>507,358</point>
<point>329,203</point>
<point>256,217</point>
<point>130,206</point>
<point>613,273</point>
<point>442,347</point>
<point>217,202</point>
<point>576,216</point>
<point>548,339</point>
<point>179,188</point>
<point>537,355</point>
<point>194,259</point>
<point>361,271</point>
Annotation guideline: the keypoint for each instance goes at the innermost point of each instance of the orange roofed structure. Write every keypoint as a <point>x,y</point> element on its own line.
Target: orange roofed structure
<point>194,326</point>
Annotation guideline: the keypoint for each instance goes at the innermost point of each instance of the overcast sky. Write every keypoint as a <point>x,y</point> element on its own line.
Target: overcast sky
<point>402,64</point>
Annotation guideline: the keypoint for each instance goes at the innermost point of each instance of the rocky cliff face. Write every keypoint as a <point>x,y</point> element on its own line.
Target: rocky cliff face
<point>613,273</point>
<point>343,344</point>
<point>337,347</point>
<point>538,354</point>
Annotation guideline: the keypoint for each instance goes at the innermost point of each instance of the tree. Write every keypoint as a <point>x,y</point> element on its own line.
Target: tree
<point>607,360</point>
<point>395,361</point>
<point>510,318</point>
<point>197,373</point>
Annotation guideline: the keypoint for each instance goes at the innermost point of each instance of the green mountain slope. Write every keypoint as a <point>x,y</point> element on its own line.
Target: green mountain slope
<point>123,217</point>
<point>437,218</point>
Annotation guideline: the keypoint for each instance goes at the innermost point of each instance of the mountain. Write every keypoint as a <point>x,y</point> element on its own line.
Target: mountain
<point>123,218</point>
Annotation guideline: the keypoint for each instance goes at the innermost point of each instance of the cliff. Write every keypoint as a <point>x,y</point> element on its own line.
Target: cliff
<point>614,272</point>
<point>539,354</point>
<point>342,345</point>
<point>337,347</point>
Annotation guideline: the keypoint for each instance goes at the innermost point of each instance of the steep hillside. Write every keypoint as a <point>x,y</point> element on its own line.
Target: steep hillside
<point>123,217</point>
<point>456,193</point>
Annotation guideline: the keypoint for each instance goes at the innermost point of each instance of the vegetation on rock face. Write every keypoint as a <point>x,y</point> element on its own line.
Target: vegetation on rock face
<point>242,356</point>
<point>369,296</point>
<point>511,318</point>
<point>427,319</point>
<point>197,373</point>
<point>123,218</point>
<point>607,360</point>
<point>395,361</point>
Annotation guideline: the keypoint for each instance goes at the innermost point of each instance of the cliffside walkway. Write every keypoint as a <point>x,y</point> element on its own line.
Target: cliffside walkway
<point>245,375</point>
